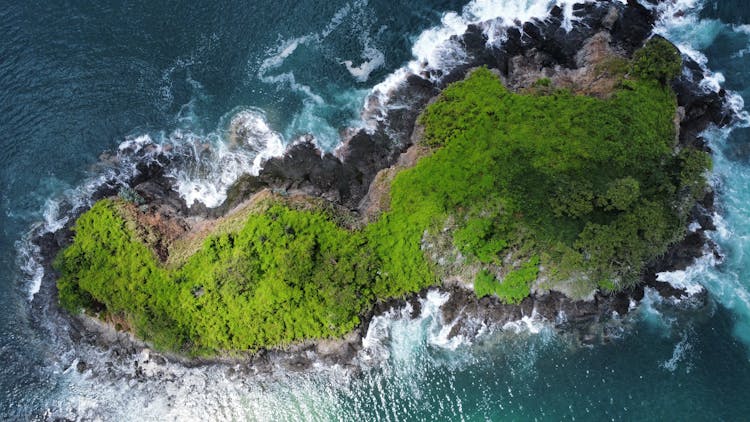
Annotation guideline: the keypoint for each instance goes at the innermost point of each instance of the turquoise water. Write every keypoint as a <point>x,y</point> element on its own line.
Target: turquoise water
<point>80,78</point>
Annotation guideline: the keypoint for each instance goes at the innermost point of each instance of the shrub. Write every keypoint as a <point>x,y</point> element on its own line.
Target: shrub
<point>620,194</point>
<point>543,82</point>
<point>482,238</point>
<point>128,194</point>
<point>658,59</point>
<point>693,165</point>
<point>582,177</point>
<point>516,285</point>
<point>485,284</point>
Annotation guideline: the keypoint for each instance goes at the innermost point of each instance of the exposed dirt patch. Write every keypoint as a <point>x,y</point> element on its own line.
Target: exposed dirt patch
<point>600,68</point>
<point>157,226</point>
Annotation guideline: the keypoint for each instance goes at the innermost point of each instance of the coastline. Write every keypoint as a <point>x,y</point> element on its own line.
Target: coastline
<point>303,169</point>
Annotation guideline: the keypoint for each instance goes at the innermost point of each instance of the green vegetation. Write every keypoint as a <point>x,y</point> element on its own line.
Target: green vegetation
<point>482,237</point>
<point>658,60</point>
<point>287,276</point>
<point>584,190</point>
<point>485,284</point>
<point>614,66</point>
<point>592,183</point>
<point>515,286</point>
<point>129,195</point>
<point>543,82</point>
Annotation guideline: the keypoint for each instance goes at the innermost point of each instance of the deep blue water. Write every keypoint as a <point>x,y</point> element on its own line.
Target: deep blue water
<point>79,78</point>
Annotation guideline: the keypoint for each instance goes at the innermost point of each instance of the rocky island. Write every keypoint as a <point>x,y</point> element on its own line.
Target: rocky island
<point>556,173</point>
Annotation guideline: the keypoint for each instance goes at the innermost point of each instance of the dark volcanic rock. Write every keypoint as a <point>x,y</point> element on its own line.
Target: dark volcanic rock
<point>303,165</point>
<point>702,107</point>
<point>474,41</point>
<point>468,314</point>
<point>159,193</point>
<point>666,290</point>
<point>513,46</point>
<point>346,178</point>
<point>621,303</point>
<point>634,26</point>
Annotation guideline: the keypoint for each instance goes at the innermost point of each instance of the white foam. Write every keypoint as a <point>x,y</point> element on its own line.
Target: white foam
<point>357,19</point>
<point>372,57</point>
<point>276,59</point>
<point>722,227</point>
<point>647,309</point>
<point>532,324</point>
<point>439,334</point>
<point>712,82</point>
<point>728,283</point>
<point>215,162</point>
<point>434,48</point>
<point>309,120</point>
<point>31,267</point>
<point>373,60</point>
<point>680,23</point>
<point>259,137</point>
<point>568,17</point>
<point>210,163</point>
<point>689,279</point>
<point>289,79</point>
<point>379,330</point>
<point>632,304</point>
<point>136,143</point>
<point>53,219</point>
<point>114,170</point>
<point>510,10</point>
<point>278,55</point>
<point>396,335</point>
<point>680,353</point>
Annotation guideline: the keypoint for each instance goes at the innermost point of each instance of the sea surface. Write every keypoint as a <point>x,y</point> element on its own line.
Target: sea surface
<point>82,82</point>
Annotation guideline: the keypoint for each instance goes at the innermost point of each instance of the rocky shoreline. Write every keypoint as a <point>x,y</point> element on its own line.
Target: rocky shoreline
<point>532,50</point>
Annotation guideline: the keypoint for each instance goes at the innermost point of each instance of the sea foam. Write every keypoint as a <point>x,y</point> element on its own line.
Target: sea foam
<point>212,163</point>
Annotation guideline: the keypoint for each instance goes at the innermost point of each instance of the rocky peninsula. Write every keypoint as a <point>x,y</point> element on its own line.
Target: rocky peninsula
<point>553,174</point>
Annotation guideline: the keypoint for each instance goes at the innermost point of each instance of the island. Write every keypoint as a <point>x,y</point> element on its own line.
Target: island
<point>568,179</point>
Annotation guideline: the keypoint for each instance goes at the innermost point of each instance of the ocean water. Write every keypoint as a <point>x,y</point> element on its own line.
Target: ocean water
<point>79,79</point>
